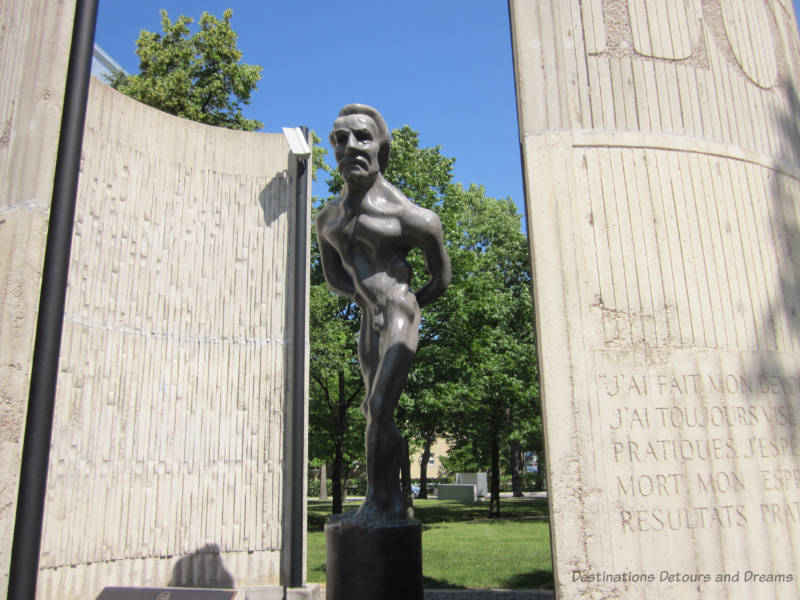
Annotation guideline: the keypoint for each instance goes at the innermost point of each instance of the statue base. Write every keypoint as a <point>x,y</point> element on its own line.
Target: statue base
<point>369,561</point>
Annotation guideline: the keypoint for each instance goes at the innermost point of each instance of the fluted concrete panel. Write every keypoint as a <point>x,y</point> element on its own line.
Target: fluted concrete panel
<point>663,178</point>
<point>34,48</point>
<point>663,28</point>
<point>747,27</point>
<point>168,456</point>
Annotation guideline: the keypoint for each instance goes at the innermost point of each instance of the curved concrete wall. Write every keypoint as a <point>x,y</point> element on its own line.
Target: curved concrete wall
<point>661,144</point>
<point>34,47</point>
<point>169,453</point>
<point>169,448</point>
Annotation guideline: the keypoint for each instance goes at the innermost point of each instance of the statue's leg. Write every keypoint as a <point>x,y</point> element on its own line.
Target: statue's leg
<point>368,351</point>
<point>398,346</point>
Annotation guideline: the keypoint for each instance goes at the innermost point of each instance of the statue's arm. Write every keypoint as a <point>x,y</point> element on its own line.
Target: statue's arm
<point>338,279</point>
<point>429,238</point>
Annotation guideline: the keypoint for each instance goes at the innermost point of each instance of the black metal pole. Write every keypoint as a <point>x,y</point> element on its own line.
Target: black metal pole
<point>41,398</point>
<point>299,370</point>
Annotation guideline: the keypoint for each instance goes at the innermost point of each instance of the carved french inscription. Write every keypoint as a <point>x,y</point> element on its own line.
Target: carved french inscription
<point>695,443</point>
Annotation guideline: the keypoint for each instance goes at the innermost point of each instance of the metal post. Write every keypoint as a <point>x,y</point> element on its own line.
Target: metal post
<point>41,398</point>
<point>299,370</point>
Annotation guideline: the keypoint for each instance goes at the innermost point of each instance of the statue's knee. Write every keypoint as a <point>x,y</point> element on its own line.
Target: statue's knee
<point>380,409</point>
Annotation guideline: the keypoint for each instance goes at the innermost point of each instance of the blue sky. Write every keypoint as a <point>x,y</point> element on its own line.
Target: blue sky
<point>444,67</point>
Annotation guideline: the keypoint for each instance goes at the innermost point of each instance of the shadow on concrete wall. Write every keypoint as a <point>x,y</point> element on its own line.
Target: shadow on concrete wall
<point>203,568</point>
<point>785,223</point>
<point>276,198</point>
<point>784,211</point>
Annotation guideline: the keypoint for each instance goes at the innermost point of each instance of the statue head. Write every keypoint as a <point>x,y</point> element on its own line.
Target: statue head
<point>360,141</point>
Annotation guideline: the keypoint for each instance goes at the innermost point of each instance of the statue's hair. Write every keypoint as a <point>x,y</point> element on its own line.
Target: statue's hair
<point>383,130</point>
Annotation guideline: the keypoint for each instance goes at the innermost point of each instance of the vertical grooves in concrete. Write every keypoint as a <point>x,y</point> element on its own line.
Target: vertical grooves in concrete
<point>168,453</point>
<point>664,236</point>
<point>34,49</point>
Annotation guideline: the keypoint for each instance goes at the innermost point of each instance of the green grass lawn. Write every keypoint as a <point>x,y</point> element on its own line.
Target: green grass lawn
<point>461,548</point>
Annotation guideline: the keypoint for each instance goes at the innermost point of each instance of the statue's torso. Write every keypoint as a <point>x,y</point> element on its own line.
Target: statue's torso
<point>373,242</point>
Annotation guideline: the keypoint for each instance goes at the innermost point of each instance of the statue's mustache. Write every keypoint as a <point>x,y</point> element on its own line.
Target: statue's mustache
<point>355,159</point>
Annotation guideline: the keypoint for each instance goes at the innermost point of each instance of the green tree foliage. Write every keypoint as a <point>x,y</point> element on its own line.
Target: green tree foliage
<point>318,154</point>
<point>336,424</point>
<point>197,76</point>
<point>335,419</point>
<point>425,176</point>
<point>474,379</point>
<point>488,332</point>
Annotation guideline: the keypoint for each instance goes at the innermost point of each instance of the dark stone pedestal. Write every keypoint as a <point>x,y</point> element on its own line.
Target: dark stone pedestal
<point>374,562</point>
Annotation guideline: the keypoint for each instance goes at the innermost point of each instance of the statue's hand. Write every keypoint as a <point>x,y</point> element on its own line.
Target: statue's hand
<point>427,294</point>
<point>359,299</point>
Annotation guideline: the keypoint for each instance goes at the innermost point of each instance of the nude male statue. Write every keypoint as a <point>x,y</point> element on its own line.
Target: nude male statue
<point>364,238</point>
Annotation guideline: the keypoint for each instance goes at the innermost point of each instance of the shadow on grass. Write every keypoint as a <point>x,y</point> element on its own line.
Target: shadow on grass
<point>429,583</point>
<point>316,522</point>
<point>463,526</point>
<point>444,511</point>
<point>319,511</point>
<point>534,580</point>
<point>441,511</point>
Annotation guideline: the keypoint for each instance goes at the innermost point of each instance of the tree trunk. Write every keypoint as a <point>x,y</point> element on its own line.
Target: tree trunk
<point>541,461</point>
<point>423,469</point>
<point>336,479</point>
<point>323,482</point>
<point>543,469</point>
<point>339,491</point>
<point>405,470</point>
<point>516,468</point>
<point>346,481</point>
<point>494,504</point>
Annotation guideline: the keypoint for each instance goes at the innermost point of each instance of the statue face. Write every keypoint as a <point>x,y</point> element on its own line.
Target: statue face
<point>356,144</point>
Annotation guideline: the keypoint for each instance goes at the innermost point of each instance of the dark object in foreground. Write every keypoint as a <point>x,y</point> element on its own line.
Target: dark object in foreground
<point>370,562</point>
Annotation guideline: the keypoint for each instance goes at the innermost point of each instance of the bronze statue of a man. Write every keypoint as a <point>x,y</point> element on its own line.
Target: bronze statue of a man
<point>365,236</point>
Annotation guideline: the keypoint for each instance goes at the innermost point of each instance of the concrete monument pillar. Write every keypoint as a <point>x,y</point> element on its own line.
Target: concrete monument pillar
<point>34,49</point>
<point>661,147</point>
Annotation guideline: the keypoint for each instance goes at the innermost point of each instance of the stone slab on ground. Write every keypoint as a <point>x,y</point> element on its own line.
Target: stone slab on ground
<point>310,592</point>
<point>479,479</point>
<point>266,592</point>
<point>459,492</point>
